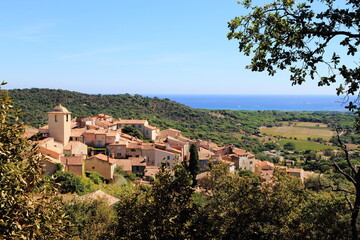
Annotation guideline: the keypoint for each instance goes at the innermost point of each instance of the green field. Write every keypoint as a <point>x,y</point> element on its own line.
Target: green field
<point>300,131</point>
<point>302,145</point>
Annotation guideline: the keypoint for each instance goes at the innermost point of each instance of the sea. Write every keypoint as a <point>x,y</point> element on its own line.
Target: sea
<point>261,102</point>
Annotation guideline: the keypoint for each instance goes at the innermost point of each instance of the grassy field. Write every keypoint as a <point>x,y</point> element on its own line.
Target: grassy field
<point>302,145</point>
<point>306,124</point>
<point>299,131</point>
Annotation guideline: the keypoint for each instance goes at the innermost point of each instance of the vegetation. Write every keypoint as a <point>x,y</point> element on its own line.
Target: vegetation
<point>194,165</point>
<point>29,206</point>
<point>133,132</point>
<point>307,39</point>
<point>299,132</point>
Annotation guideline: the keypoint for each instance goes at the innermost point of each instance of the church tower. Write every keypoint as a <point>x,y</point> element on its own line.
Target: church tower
<point>59,121</point>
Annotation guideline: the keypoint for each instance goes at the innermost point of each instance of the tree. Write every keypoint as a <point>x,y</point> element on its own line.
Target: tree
<point>289,146</point>
<point>29,207</point>
<point>132,131</point>
<point>314,39</point>
<point>90,219</point>
<point>163,212</point>
<point>194,163</point>
<point>301,37</point>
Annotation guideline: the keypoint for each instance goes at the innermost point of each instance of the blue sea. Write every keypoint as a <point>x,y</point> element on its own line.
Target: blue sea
<point>261,102</point>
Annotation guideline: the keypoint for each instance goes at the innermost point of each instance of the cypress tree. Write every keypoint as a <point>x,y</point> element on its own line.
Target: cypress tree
<point>194,167</point>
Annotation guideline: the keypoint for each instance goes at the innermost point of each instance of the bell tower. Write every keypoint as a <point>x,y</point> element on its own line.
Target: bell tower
<point>59,121</point>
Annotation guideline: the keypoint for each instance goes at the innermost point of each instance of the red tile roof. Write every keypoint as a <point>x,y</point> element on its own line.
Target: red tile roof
<point>72,160</point>
<point>103,157</point>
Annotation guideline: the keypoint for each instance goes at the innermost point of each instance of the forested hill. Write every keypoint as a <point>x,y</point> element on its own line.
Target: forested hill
<point>164,113</point>
<point>221,126</point>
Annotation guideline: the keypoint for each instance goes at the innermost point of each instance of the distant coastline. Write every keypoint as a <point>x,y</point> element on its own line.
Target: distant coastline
<point>259,102</point>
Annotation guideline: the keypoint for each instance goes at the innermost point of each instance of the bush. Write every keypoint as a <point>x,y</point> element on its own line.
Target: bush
<point>289,146</point>
<point>95,177</point>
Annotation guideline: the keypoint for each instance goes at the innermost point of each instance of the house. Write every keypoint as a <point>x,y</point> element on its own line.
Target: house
<point>126,164</point>
<point>205,157</point>
<point>74,164</point>
<point>297,172</point>
<point>50,165</point>
<point>143,126</point>
<point>150,173</point>
<point>138,164</point>
<point>104,165</point>
<point>265,170</point>
<point>118,149</point>
<point>75,148</point>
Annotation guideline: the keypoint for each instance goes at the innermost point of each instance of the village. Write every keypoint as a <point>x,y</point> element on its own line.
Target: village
<point>98,144</point>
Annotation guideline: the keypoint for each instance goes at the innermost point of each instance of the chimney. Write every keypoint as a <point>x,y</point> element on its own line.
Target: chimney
<point>108,159</point>
<point>113,155</point>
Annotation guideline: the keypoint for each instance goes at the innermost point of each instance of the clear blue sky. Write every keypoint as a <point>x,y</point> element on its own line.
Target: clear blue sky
<point>144,47</point>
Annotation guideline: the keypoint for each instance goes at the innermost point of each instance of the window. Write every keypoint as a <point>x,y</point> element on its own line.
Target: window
<point>67,117</point>
<point>93,167</point>
<point>56,118</point>
<point>251,162</point>
<point>133,150</point>
<point>168,157</point>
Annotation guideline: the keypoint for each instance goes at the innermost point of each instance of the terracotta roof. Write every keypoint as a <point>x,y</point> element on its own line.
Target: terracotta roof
<point>134,145</point>
<point>71,145</point>
<point>266,164</point>
<point>148,146</point>
<point>101,131</point>
<point>99,195</point>
<point>204,153</point>
<point>49,152</point>
<point>77,132</point>
<point>295,170</point>
<point>151,127</point>
<point>138,161</point>
<point>125,163</point>
<point>172,129</point>
<point>106,123</point>
<point>132,121</point>
<point>112,133</point>
<point>151,171</point>
<point>122,143</point>
<point>44,140</point>
<point>127,136</point>
<point>90,131</point>
<point>72,160</point>
<point>102,115</point>
<point>103,158</point>
<point>227,162</point>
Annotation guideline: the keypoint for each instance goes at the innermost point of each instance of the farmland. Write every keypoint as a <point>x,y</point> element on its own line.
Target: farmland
<point>300,130</point>
<point>303,145</point>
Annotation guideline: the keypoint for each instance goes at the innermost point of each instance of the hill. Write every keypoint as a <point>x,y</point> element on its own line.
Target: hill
<point>220,126</point>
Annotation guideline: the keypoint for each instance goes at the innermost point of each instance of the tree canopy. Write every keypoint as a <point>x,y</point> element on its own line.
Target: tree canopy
<point>314,39</point>
<point>29,207</point>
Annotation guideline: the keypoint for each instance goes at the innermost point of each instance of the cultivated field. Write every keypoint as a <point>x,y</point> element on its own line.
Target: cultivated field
<point>300,131</point>
<point>303,145</point>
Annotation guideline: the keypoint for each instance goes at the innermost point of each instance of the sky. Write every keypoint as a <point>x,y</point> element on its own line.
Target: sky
<point>136,47</point>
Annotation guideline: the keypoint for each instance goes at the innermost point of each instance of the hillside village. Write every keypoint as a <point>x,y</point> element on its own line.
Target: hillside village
<point>98,144</point>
